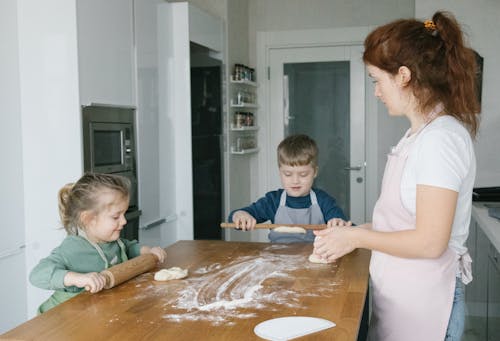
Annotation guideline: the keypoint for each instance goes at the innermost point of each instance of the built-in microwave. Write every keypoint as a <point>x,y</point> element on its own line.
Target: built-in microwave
<point>108,139</point>
<point>109,147</point>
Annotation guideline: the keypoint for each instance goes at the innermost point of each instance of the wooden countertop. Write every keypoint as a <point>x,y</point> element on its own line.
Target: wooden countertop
<point>231,287</point>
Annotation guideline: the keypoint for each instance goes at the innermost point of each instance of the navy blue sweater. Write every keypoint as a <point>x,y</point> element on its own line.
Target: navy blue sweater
<point>265,208</point>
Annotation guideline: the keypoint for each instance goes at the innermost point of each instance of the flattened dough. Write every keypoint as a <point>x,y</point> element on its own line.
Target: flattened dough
<point>290,229</point>
<point>171,273</point>
<point>315,259</point>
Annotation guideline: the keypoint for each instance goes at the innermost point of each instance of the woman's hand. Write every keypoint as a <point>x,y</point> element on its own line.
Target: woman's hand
<point>244,220</point>
<point>92,281</point>
<point>334,242</point>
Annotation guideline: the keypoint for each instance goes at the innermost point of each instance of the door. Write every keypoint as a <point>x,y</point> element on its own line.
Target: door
<point>206,125</point>
<point>319,91</point>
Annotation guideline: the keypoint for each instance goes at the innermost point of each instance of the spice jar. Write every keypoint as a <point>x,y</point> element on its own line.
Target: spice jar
<point>240,119</point>
<point>249,119</point>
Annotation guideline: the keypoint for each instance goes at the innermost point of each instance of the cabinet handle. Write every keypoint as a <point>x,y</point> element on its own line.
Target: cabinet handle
<point>353,168</point>
<point>286,103</point>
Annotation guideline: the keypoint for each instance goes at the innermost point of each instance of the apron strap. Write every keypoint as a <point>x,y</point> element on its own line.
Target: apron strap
<point>123,252</point>
<point>465,266</point>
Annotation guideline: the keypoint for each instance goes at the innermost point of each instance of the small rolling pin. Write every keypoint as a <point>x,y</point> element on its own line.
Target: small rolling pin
<point>272,226</point>
<point>122,272</point>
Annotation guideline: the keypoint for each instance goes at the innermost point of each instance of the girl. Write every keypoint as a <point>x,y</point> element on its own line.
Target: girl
<point>422,71</point>
<point>92,212</point>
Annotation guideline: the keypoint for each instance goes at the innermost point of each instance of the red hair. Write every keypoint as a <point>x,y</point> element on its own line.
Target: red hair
<point>443,68</point>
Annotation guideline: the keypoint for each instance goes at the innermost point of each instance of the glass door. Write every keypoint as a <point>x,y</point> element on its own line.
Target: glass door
<point>319,91</point>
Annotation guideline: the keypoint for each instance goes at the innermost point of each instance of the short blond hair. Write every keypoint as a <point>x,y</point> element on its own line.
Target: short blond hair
<point>298,150</point>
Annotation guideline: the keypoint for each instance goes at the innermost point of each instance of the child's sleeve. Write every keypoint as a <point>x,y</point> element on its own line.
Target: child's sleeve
<point>132,247</point>
<point>263,209</point>
<point>49,272</point>
<point>329,206</point>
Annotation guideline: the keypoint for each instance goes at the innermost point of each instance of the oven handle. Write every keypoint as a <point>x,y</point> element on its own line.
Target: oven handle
<point>133,214</point>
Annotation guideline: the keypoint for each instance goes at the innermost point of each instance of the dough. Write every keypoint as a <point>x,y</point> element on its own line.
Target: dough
<point>172,273</point>
<point>290,229</point>
<point>315,259</point>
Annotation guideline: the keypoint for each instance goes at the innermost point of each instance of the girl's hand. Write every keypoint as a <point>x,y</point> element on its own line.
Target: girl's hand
<point>160,253</point>
<point>334,243</point>
<point>157,251</point>
<point>244,220</point>
<point>338,222</point>
<point>92,281</point>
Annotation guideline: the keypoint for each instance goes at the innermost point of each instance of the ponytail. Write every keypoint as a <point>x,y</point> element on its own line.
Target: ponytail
<point>443,68</point>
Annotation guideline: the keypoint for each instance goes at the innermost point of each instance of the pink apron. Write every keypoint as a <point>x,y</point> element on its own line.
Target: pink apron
<point>412,298</point>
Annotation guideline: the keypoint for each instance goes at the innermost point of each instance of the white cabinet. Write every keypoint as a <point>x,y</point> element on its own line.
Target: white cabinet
<point>482,295</point>
<point>243,125</point>
<point>106,52</point>
<point>493,322</point>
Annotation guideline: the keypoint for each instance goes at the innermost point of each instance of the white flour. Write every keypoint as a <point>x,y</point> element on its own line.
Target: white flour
<point>216,294</point>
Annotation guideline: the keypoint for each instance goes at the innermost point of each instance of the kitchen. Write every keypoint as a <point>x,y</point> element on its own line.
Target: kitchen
<point>50,69</point>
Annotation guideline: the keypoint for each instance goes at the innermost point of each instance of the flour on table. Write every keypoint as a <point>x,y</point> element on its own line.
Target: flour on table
<point>172,273</point>
<point>221,294</point>
<point>290,229</point>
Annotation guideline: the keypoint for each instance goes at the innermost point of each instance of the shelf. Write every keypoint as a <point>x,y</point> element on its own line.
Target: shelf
<point>244,82</point>
<point>243,105</point>
<point>244,128</point>
<point>244,151</point>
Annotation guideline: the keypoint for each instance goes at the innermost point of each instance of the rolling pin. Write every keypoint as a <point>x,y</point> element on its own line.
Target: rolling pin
<point>272,226</point>
<point>122,272</point>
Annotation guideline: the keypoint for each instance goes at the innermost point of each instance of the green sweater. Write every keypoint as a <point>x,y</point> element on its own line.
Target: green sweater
<point>75,254</point>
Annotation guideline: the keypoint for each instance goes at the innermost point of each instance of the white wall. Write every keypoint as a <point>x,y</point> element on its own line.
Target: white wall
<point>51,137</point>
<point>40,132</point>
<point>283,15</point>
<point>12,235</point>
<point>480,20</point>
<point>216,8</point>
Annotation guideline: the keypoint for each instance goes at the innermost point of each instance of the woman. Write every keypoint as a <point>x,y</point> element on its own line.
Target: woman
<point>423,71</point>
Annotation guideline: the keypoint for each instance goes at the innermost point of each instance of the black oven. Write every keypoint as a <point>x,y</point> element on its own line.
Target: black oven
<point>109,147</point>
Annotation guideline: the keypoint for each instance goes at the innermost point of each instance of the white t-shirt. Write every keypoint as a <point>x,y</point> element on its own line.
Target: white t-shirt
<point>443,156</point>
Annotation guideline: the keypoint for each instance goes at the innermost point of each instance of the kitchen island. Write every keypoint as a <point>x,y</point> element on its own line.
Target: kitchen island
<point>231,287</point>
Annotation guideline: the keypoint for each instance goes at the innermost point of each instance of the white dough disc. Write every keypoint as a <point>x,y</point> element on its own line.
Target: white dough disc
<point>291,327</point>
<point>290,229</point>
<point>315,259</point>
<point>172,273</point>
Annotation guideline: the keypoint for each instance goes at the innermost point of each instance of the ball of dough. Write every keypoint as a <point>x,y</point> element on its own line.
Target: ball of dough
<point>172,273</point>
<point>315,259</point>
<point>290,229</point>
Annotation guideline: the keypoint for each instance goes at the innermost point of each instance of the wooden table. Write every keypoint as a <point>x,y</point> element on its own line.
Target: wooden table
<point>231,287</point>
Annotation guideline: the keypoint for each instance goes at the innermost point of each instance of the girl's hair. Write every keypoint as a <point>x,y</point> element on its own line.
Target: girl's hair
<point>443,69</point>
<point>298,150</point>
<point>75,198</point>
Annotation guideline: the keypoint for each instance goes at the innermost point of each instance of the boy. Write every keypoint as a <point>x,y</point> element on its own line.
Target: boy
<point>297,202</point>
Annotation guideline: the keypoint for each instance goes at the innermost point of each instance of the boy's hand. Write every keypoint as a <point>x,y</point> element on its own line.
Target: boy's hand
<point>160,253</point>
<point>92,281</point>
<point>244,220</point>
<point>335,222</point>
